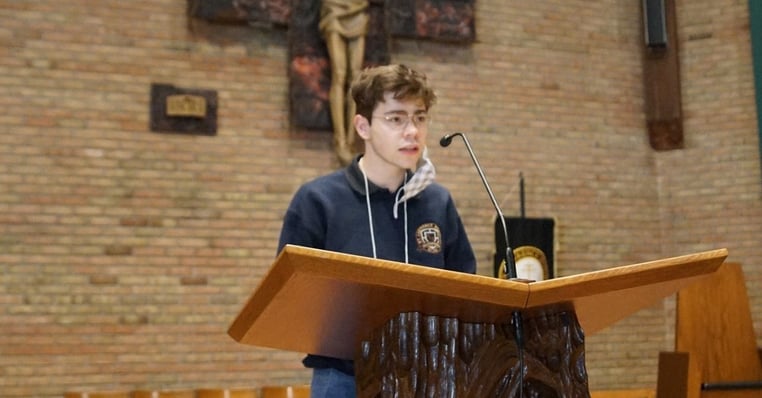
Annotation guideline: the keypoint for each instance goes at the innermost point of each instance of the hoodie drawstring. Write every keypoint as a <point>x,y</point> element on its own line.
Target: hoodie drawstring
<point>370,217</point>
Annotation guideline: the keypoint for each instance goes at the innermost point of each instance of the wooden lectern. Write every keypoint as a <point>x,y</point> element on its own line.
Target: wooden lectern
<point>419,331</point>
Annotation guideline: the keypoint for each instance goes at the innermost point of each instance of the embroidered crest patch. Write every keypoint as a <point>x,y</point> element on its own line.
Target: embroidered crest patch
<point>429,238</point>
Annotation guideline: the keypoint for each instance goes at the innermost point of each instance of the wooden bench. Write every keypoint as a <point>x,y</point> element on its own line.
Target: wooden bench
<point>164,394</point>
<point>226,393</point>
<point>635,393</point>
<point>97,394</point>
<point>286,391</point>
<point>716,353</point>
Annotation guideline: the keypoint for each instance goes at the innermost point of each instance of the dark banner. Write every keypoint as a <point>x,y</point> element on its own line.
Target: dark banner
<point>532,243</point>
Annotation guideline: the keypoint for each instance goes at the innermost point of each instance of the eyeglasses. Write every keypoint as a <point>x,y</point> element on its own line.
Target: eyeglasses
<point>400,121</point>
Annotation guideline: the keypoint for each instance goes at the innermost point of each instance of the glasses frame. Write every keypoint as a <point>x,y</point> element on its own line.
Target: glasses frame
<point>406,118</point>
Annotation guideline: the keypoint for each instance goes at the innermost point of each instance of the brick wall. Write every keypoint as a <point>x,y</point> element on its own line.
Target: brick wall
<point>125,253</point>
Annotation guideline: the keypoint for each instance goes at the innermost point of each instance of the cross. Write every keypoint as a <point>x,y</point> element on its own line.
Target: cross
<point>309,70</point>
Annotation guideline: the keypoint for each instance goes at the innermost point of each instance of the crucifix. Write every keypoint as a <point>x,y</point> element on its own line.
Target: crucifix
<point>309,67</point>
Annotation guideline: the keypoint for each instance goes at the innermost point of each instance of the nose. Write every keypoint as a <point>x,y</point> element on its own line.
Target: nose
<point>410,129</point>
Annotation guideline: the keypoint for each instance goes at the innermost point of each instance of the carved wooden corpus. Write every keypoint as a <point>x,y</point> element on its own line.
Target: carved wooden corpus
<point>415,355</point>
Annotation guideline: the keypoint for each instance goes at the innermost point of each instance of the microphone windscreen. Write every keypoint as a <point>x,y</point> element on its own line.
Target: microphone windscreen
<point>446,140</point>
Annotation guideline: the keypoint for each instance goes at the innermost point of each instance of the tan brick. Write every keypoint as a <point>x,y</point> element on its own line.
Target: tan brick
<point>126,253</point>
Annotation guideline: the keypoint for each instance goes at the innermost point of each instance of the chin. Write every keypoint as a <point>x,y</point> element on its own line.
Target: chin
<point>410,165</point>
<point>410,162</point>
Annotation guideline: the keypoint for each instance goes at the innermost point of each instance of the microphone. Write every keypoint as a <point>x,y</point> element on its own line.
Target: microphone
<point>447,139</point>
<point>510,260</point>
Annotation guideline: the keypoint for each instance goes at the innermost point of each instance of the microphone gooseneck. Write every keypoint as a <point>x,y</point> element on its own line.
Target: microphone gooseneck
<point>516,317</point>
<point>510,261</point>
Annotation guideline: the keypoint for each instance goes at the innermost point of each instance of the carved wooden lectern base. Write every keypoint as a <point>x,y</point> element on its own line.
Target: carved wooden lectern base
<point>416,355</point>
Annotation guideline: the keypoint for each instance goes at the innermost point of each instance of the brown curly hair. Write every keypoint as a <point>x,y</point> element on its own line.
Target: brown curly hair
<point>369,87</point>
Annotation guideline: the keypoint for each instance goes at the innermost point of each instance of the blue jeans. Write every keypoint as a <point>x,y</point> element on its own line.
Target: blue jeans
<point>330,383</point>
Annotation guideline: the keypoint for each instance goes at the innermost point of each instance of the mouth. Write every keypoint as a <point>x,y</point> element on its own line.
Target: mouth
<point>410,150</point>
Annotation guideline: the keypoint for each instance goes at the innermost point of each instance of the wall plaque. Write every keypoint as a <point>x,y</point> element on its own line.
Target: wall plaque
<point>180,110</point>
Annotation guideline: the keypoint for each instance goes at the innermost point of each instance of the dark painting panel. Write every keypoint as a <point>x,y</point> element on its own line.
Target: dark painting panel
<point>276,12</point>
<point>216,11</point>
<point>309,66</point>
<point>440,20</point>
<point>257,12</point>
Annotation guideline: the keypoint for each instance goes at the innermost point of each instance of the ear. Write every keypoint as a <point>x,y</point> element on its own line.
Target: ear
<point>362,126</point>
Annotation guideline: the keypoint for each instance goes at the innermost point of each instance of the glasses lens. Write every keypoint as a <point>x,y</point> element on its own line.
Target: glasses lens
<point>397,121</point>
<point>401,121</point>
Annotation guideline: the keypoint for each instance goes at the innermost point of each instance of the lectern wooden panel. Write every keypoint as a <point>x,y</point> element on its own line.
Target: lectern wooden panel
<point>325,302</point>
<point>716,352</point>
<point>328,303</point>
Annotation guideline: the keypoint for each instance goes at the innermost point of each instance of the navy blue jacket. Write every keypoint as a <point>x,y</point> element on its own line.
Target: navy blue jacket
<point>331,213</point>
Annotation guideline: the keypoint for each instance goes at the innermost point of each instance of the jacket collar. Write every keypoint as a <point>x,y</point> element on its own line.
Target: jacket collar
<point>357,181</point>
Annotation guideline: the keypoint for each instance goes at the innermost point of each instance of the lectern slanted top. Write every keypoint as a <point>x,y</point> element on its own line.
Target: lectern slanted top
<point>322,302</point>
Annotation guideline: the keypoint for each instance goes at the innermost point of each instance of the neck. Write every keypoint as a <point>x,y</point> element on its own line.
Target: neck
<point>385,177</point>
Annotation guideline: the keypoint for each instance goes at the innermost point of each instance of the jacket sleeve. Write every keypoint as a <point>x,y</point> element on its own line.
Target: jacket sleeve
<point>304,222</point>
<point>459,255</point>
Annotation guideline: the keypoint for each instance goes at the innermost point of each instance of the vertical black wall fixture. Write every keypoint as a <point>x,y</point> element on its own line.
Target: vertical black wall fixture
<point>755,23</point>
<point>661,75</point>
<point>654,24</point>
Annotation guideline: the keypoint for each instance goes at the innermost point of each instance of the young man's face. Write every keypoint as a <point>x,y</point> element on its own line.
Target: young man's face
<point>396,135</point>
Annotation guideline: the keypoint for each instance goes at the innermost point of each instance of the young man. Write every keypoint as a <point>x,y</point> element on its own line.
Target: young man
<point>384,204</point>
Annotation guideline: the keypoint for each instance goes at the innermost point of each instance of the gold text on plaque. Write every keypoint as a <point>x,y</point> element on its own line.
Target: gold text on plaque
<point>185,105</point>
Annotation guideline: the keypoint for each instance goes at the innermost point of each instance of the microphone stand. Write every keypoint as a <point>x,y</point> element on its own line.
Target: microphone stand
<point>510,260</point>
